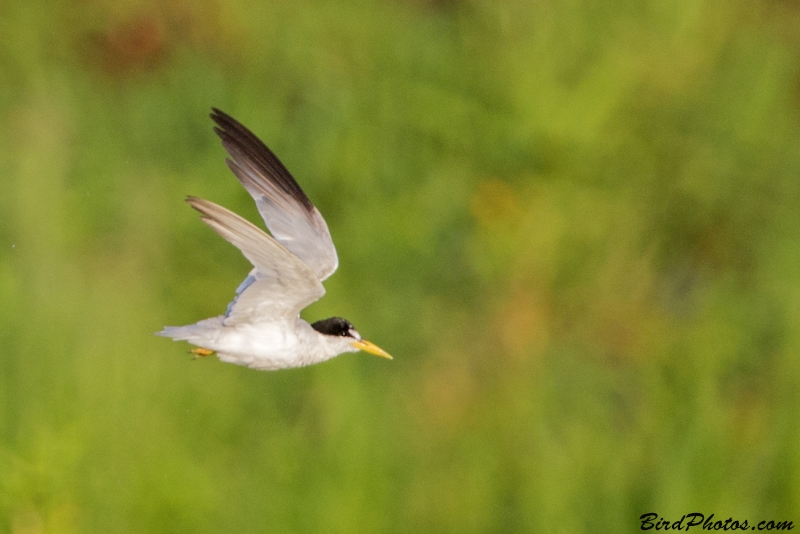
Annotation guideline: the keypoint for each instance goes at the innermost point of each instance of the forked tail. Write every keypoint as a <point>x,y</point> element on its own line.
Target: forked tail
<point>193,332</point>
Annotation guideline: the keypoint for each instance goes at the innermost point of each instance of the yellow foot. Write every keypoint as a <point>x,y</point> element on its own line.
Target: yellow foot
<point>201,353</point>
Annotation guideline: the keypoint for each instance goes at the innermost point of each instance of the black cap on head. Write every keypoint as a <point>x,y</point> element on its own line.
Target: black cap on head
<point>335,326</point>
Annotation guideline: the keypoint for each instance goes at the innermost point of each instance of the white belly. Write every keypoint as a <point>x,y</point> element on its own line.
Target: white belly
<point>267,346</point>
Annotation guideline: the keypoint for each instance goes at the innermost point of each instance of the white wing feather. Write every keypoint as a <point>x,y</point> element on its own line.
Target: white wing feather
<point>288,213</point>
<point>280,284</point>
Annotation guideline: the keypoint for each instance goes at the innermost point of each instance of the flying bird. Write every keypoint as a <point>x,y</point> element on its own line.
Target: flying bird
<point>261,327</point>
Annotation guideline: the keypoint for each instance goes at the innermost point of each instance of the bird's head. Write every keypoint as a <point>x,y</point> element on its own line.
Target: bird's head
<point>344,335</point>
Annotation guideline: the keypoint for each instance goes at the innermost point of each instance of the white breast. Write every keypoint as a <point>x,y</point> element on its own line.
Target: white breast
<point>270,346</point>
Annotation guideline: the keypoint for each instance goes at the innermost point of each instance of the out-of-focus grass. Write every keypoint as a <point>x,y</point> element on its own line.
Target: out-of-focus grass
<point>574,225</point>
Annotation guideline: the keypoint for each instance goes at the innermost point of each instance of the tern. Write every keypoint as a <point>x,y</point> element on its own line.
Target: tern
<point>261,327</point>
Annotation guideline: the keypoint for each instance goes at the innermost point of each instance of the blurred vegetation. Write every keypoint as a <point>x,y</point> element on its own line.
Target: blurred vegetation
<point>574,224</point>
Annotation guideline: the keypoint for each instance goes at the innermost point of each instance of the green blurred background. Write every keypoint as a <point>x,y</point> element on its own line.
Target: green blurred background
<point>576,226</point>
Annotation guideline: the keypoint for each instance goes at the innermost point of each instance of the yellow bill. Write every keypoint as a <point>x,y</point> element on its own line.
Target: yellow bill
<point>372,348</point>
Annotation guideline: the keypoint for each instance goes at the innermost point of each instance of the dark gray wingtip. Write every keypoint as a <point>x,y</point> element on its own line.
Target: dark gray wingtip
<point>248,150</point>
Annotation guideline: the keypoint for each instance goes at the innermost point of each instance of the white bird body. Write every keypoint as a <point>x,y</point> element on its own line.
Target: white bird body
<point>261,328</point>
<point>263,346</point>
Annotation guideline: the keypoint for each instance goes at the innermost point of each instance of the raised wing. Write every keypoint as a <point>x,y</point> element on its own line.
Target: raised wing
<point>288,213</point>
<point>280,284</point>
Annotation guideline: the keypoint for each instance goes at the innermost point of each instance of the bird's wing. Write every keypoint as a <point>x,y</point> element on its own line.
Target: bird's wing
<point>290,216</point>
<point>280,284</point>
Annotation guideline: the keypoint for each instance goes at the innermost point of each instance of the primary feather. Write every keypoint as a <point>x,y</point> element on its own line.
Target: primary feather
<point>288,213</point>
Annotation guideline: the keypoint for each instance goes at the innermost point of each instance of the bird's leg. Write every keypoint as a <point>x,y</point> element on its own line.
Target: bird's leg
<point>201,353</point>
